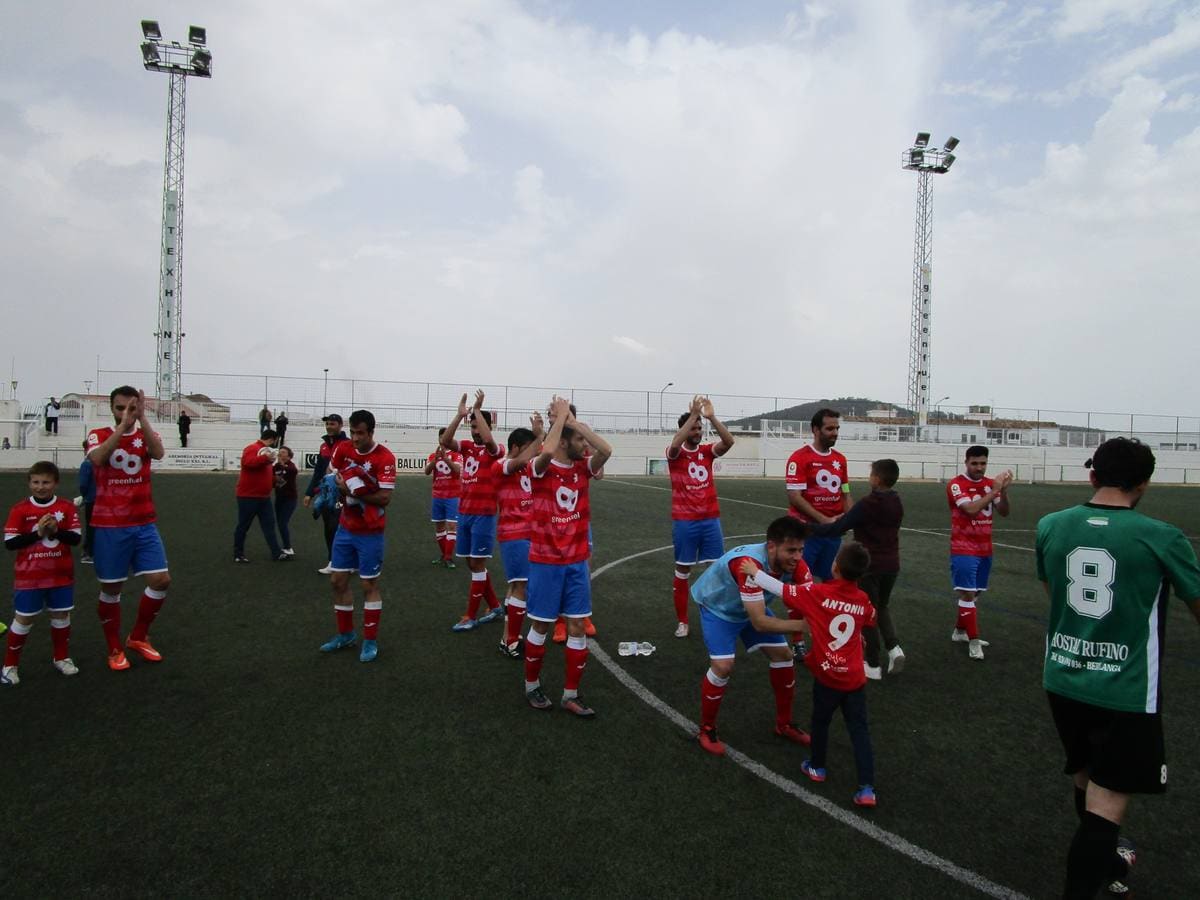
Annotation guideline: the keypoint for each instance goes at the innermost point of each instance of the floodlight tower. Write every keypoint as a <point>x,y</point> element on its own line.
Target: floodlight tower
<point>926,162</point>
<point>178,62</point>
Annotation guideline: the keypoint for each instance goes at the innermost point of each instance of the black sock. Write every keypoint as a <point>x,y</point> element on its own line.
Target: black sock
<point>1080,802</point>
<point>1091,856</point>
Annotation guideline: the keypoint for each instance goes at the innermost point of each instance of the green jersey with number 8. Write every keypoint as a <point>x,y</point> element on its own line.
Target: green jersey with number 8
<point>1110,570</point>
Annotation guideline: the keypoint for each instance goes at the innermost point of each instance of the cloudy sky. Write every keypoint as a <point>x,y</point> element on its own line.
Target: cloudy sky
<point>616,194</point>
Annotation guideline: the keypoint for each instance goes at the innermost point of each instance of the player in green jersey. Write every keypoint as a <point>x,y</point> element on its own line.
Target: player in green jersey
<point>1108,570</point>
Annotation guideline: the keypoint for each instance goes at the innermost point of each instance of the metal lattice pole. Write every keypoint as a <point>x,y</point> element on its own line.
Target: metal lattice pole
<point>168,367</point>
<point>926,162</point>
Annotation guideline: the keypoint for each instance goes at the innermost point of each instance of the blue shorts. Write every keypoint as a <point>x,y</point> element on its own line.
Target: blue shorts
<point>444,509</point>
<point>516,559</point>
<point>476,535</point>
<point>721,637</point>
<point>135,548</point>
<point>559,591</point>
<point>970,573</point>
<point>819,553</point>
<point>32,601</point>
<point>362,553</point>
<point>697,540</point>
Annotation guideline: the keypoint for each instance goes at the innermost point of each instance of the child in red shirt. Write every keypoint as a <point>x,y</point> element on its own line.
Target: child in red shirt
<point>836,611</point>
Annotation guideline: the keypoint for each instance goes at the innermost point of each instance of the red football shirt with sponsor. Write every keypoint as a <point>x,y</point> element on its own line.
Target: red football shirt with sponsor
<point>380,463</point>
<point>693,491</point>
<point>514,492</point>
<point>561,513</point>
<point>820,478</point>
<point>123,495</point>
<point>446,484</point>
<point>478,481</point>
<point>47,563</point>
<point>969,536</point>
<point>837,611</point>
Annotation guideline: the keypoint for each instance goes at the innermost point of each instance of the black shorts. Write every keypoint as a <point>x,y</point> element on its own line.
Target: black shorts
<point>1121,751</point>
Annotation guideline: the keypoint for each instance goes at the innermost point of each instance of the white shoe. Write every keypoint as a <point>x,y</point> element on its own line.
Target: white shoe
<point>682,630</point>
<point>9,676</point>
<point>66,666</point>
<point>288,551</point>
<point>958,635</point>
<point>895,660</point>
<point>875,673</point>
<point>975,650</point>
<point>326,570</point>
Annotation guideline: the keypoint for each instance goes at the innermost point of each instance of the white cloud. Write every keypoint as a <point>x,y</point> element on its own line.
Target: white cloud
<point>1080,17</point>
<point>632,345</point>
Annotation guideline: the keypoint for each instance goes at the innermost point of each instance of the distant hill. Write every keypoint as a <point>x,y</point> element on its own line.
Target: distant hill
<point>847,406</point>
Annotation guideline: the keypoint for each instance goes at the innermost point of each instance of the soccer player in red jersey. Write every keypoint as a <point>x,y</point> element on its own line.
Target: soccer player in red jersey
<point>836,612</point>
<point>124,516</point>
<point>695,513</point>
<point>256,480</point>
<point>514,492</point>
<point>733,608</point>
<point>42,529</point>
<point>477,508</point>
<point>818,489</point>
<point>446,468</point>
<point>365,472</point>
<point>974,499</point>
<point>559,580</point>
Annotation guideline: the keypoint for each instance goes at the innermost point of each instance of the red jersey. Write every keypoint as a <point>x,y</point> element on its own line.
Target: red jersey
<point>257,475</point>
<point>478,483</point>
<point>821,478</point>
<point>750,590</point>
<point>693,492</point>
<point>837,611</point>
<point>123,497</point>
<point>379,463</point>
<point>561,513</point>
<point>446,483</point>
<point>48,563</point>
<point>514,491</point>
<point>969,536</point>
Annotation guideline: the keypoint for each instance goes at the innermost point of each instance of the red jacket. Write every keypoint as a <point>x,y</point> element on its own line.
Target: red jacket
<point>257,477</point>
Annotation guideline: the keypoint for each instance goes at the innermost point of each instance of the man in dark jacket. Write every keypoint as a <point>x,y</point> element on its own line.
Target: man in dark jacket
<point>185,427</point>
<point>329,515</point>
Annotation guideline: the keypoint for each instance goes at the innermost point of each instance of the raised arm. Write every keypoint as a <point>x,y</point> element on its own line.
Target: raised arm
<point>721,447</point>
<point>485,430</point>
<point>561,409</point>
<point>448,439</point>
<point>601,449</point>
<point>101,452</point>
<point>689,423</point>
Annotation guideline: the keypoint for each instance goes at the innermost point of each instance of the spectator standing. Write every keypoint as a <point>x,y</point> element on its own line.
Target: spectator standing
<point>264,420</point>
<point>281,424</point>
<point>52,416</point>
<point>285,496</point>
<point>7,444</point>
<point>255,481</point>
<point>185,427</point>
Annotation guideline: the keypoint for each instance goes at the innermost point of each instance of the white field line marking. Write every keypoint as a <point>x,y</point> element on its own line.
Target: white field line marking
<point>859,824</point>
<point>655,487</point>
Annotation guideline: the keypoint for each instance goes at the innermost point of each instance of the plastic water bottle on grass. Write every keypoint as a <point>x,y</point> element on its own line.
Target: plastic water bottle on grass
<point>634,648</point>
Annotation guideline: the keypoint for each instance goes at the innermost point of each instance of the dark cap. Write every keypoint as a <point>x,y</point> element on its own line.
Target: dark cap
<point>332,417</point>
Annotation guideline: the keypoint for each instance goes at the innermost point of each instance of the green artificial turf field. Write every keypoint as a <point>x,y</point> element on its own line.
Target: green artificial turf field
<point>249,764</point>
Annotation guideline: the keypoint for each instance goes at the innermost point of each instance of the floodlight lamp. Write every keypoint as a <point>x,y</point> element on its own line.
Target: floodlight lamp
<point>947,162</point>
<point>922,138</point>
<point>149,54</point>
<point>916,157</point>
<point>150,30</point>
<point>951,143</point>
<point>202,62</point>
<point>197,35</point>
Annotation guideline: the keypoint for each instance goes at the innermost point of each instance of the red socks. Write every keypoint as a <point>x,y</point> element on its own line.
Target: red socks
<point>345,618</point>
<point>712,691</point>
<point>514,618</point>
<point>148,608</point>
<point>783,683</point>
<point>371,614</point>
<point>489,593</point>
<point>535,652</point>
<point>448,541</point>
<point>679,591</point>
<point>16,642</point>
<point>478,580</point>
<point>109,610</point>
<point>60,637</point>
<point>577,657</point>
<point>967,620</point>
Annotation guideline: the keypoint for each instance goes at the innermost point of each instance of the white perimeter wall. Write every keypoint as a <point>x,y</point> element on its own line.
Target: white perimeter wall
<point>219,447</point>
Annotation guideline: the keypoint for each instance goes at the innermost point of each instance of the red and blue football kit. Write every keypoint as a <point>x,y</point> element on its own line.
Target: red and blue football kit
<point>123,495</point>
<point>561,513</point>
<point>969,535</point>
<point>514,494</point>
<point>478,479</point>
<point>693,491</point>
<point>379,464</point>
<point>446,482</point>
<point>820,478</point>
<point>46,563</point>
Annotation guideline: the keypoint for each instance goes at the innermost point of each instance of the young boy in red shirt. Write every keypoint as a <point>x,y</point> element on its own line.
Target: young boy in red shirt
<point>836,611</point>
